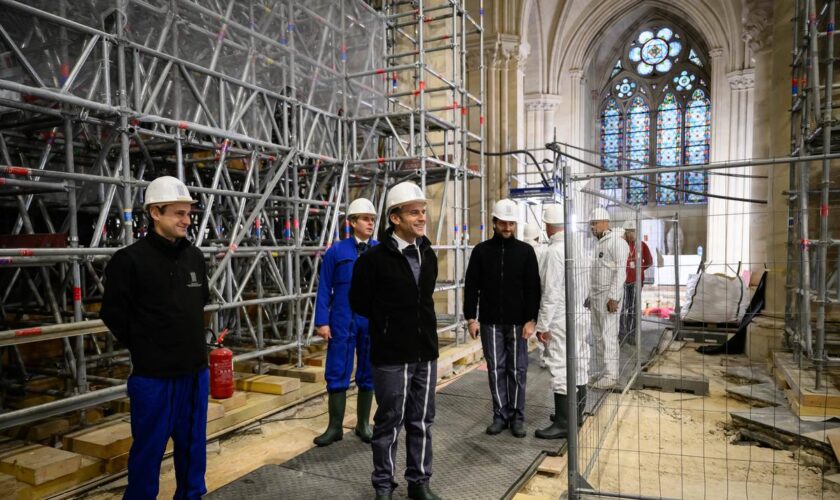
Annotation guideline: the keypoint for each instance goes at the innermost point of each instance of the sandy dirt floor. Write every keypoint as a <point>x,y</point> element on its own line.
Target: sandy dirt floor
<point>681,446</point>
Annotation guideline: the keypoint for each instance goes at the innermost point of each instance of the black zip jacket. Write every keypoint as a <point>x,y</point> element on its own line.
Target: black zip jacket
<point>401,312</point>
<point>503,282</point>
<point>155,292</point>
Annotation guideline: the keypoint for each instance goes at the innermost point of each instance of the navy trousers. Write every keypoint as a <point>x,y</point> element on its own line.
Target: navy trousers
<point>506,353</point>
<point>162,408</point>
<point>405,396</point>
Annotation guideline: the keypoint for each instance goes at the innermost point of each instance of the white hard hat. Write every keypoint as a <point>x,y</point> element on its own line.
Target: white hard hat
<point>629,225</point>
<point>505,210</point>
<point>361,206</point>
<point>166,189</point>
<point>530,232</point>
<point>553,214</point>
<point>403,193</point>
<point>599,214</point>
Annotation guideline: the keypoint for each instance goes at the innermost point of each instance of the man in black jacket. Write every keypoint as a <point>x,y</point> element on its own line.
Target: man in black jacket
<point>155,292</point>
<point>392,286</point>
<point>503,282</point>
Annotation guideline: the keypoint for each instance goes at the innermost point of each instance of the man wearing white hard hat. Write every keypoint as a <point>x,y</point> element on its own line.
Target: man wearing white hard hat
<point>551,328</point>
<point>392,286</point>
<point>501,302</point>
<point>627,328</point>
<point>606,292</point>
<point>155,292</point>
<point>345,332</point>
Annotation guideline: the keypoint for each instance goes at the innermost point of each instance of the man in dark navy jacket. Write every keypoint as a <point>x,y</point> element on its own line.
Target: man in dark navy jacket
<point>392,286</point>
<point>503,283</point>
<point>155,292</point>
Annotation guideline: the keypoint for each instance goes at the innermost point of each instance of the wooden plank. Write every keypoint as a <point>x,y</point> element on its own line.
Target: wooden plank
<point>106,441</point>
<point>553,465</point>
<point>834,438</point>
<point>40,464</point>
<point>238,399</point>
<point>122,405</point>
<point>266,384</point>
<point>89,469</point>
<point>802,383</point>
<point>319,360</point>
<point>259,404</point>
<point>8,484</point>
<point>311,374</point>
<point>47,429</point>
<point>215,411</point>
<point>810,411</point>
<point>117,464</point>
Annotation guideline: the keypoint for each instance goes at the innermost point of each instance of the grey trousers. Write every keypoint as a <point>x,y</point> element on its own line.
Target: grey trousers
<point>506,353</point>
<point>405,396</point>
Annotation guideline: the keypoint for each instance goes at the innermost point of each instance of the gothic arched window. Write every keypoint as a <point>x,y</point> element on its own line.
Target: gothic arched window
<point>657,101</point>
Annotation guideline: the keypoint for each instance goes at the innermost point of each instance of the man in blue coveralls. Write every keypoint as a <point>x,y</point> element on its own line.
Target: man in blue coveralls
<point>345,332</point>
<point>155,292</point>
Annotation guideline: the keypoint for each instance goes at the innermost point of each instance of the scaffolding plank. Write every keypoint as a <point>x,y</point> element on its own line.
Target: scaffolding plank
<point>834,439</point>
<point>305,373</point>
<point>237,400</point>
<point>802,383</point>
<point>215,411</point>
<point>89,469</point>
<point>104,442</point>
<point>267,384</point>
<point>40,464</point>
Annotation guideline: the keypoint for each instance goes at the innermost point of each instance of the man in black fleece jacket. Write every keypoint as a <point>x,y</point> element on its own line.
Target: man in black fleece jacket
<point>155,292</point>
<point>503,282</point>
<point>392,286</point>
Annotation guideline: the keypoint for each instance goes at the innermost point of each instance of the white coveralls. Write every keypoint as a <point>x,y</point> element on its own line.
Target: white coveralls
<point>606,283</point>
<point>552,318</point>
<point>540,249</point>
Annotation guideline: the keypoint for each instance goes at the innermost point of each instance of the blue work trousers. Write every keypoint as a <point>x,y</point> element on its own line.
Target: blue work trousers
<point>345,342</point>
<point>162,408</point>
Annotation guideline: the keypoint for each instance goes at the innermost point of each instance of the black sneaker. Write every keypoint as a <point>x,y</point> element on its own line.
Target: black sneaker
<point>496,427</point>
<point>518,429</point>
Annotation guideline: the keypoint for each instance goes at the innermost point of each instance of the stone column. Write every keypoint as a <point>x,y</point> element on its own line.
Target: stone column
<point>728,233</point>
<point>504,59</point>
<point>769,32</point>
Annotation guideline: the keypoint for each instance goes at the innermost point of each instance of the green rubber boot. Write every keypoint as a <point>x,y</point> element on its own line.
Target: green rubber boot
<point>363,403</point>
<point>334,432</point>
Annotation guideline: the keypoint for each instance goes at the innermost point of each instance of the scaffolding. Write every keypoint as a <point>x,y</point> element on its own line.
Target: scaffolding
<point>275,113</point>
<point>813,278</point>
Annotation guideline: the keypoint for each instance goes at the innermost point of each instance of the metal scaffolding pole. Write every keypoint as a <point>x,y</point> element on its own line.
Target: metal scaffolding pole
<point>275,117</point>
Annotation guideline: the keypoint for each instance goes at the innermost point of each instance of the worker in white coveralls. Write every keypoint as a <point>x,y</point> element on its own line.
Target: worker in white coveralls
<point>551,328</point>
<point>606,291</point>
<point>531,236</point>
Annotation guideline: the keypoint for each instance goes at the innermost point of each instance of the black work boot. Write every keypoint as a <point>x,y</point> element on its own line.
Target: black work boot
<point>557,429</point>
<point>496,427</point>
<point>334,432</point>
<point>581,403</point>
<point>363,402</point>
<point>518,429</point>
<point>421,492</point>
<point>384,496</point>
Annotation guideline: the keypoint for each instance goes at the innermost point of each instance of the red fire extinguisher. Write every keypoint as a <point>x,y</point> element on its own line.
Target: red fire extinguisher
<point>221,369</point>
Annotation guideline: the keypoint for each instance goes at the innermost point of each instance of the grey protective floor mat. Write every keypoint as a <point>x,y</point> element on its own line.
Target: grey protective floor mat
<point>468,464</point>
